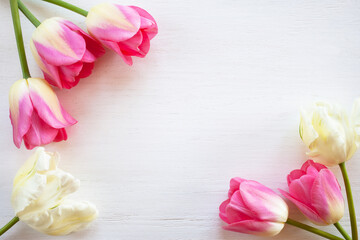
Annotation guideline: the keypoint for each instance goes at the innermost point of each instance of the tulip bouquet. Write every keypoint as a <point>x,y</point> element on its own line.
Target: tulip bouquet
<point>332,138</point>
<point>65,54</point>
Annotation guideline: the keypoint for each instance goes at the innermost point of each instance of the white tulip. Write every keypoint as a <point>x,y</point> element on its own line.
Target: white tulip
<point>331,135</point>
<point>39,197</point>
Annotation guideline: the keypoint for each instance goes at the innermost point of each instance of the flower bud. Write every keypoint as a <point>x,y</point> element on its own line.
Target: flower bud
<point>253,208</point>
<point>36,114</point>
<point>127,30</point>
<point>64,52</point>
<point>316,192</point>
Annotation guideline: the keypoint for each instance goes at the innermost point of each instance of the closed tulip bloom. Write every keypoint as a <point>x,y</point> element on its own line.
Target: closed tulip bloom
<point>330,134</point>
<point>64,52</point>
<point>125,29</point>
<point>40,193</point>
<point>316,192</point>
<point>253,208</point>
<point>36,114</point>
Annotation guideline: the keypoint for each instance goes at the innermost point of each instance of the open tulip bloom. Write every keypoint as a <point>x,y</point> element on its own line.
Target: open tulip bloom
<point>331,135</point>
<point>40,197</point>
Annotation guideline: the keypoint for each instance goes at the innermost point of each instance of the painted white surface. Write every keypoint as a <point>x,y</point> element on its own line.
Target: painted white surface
<point>218,96</point>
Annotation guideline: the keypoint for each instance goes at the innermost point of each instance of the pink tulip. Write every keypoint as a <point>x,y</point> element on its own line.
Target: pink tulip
<point>316,192</point>
<point>125,29</point>
<point>64,52</point>
<point>253,208</point>
<point>36,114</point>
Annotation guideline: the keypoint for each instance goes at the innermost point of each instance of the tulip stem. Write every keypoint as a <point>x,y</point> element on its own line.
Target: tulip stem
<point>68,6</point>
<point>342,231</point>
<point>312,229</point>
<point>350,200</point>
<point>28,14</point>
<point>19,38</point>
<point>9,225</point>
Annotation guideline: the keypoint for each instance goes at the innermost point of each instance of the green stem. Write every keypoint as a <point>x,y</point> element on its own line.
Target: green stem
<point>350,200</point>
<point>312,229</point>
<point>19,38</point>
<point>28,14</point>
<point>68,6</point>
<point>342,231</point>
<point>9,225</point>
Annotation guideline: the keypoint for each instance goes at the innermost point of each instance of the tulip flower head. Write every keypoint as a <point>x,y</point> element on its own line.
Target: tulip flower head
<point>330,134</point>
<point>125,29</point>
<point>40,193</point>
<point>64,52</point>
<point>253,208</point>
<point>36,114</point>
<point>316,192</point>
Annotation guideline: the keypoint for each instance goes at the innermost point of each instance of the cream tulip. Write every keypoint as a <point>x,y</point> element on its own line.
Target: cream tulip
<point>331,135</point>
<point>40,193</point>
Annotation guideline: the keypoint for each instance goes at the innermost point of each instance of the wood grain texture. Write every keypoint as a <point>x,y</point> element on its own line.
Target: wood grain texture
<point>218,96</point>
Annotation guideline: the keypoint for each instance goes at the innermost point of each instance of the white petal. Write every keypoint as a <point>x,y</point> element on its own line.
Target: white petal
<point>68,217</point>
<point>30,180</point>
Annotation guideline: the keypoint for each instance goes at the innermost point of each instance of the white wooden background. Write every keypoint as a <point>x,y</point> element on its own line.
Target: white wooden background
<point>218,96</point>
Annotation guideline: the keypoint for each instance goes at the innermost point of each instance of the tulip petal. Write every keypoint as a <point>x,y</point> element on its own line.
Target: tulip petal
<point>61,136</point>
<point>113,22</point>
<point>255,227</point>
<point>264,202</point>
<point>235,185</point>
<point>69,74</point>
<point>58,44</point>
<point>237,211</point>
<point>131,46</point>
<point>327,198</point>
<point>58,185</point>
<point>68,217</point>
<point>301,189</point>
<point>148,23</point>
<point>47,104</point>
<point>315,165</point>
<point>21,110</point>
<point>311,214</point>
<point>138,46</point>
<point>29,182</point>
<point>92,46</point>
<point>39,133</point>
<point>306,130</point>
<point>295,174</point>
<point>86,70</point>
<point>115,47</point>
<point>222,210</point>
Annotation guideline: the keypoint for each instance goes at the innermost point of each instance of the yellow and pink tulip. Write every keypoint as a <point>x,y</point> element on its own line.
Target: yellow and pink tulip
<point>36,114</point>
<point>64,52</point>
<point>125,29</point>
